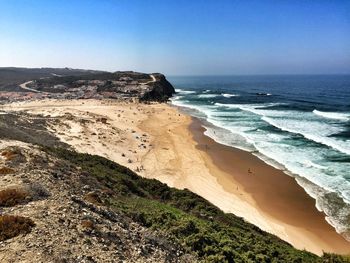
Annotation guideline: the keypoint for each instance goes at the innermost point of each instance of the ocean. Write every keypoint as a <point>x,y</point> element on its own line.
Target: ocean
<point>296,123</point>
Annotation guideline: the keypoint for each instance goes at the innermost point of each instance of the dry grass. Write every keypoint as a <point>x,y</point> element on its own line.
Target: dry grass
<point>93,198</point>
<point>12,197</point>
<point>108,192</point>
<point>88,224</point>
<point>9,155</point>
<point>6,170</point>
<point>11,226</point>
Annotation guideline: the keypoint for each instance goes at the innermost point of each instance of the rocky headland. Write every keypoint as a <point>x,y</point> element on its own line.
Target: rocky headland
<point>23,84</point>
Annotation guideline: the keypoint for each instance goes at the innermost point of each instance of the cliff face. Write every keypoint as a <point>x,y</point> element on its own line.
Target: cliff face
<point>160,90</point>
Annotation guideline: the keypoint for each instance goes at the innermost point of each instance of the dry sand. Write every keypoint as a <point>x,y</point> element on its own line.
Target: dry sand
<point>158,141</point>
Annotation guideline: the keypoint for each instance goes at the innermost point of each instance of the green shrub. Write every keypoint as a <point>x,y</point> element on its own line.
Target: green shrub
<point>186,218</point>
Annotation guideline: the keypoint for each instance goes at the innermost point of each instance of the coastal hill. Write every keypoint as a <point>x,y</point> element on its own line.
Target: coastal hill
<point>60,204</point>
<point>67,83</point>
<point>11,77</point>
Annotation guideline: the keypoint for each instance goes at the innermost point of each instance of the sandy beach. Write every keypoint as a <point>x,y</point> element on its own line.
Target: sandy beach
<point>158,141</point>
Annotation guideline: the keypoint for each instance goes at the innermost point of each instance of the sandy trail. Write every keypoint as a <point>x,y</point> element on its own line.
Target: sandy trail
<point>24,86</point>
<point>157,141</point>
<point>153,79</point>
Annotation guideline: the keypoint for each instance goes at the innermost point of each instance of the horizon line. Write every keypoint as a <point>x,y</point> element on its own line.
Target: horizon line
<point>186,75</point>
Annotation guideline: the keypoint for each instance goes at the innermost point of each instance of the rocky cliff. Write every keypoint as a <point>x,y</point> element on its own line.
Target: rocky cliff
<point>160,90</point>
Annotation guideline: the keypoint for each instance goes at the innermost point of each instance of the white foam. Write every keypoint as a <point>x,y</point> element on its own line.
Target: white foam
<point>225,138</point>
<point>296,122</point>
<point>227,95</point>
<point>253,108</point>
<point>184,91</point>
<point>207,95</point>
<point>332,115</point>
<point>176,97</point>
<point>336,216</point>
<point>272,149</point>
<point>293,158</point>
<point>263,94</point>
<point>249,106</point>
<point>270,161</point>
<point>309,163</point>
<point>202,111</point>
<point>244,126</point>
<point>315,131</point>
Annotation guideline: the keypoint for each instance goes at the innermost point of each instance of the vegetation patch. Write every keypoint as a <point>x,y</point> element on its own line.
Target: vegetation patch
<point>6,170</point>
<point>186,218</point>
<point>12,197</point>
<point>88,224</point>
<point>11,226</point>
<point>93,198</point>
<point>36,191</point>
<point>9,155</point>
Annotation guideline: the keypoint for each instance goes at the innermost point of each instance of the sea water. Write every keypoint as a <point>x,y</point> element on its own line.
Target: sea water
<point>299,124</point>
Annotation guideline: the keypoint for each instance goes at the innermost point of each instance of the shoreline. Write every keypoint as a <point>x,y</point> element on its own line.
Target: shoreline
<point>275,194</point>
<point>269,199</point>
<point>159,141</point>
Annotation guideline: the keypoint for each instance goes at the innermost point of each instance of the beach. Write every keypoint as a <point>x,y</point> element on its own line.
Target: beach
<point>240,183</point>
<point>280,201</point>
<point>159,141</point>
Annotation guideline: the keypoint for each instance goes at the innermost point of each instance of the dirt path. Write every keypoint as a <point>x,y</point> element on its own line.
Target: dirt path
<point>24,86</point>
<point>151,81</point>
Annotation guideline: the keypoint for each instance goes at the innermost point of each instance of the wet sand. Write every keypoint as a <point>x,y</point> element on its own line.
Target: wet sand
<point>275,194</point>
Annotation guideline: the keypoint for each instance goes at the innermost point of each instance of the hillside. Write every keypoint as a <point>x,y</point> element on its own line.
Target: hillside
<point>62,206</point>
<point>23,84</point>
<point>11,77</point>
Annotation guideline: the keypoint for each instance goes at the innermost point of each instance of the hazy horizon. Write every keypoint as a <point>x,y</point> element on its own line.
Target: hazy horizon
<point>179,39</point>
<point>191,75</point>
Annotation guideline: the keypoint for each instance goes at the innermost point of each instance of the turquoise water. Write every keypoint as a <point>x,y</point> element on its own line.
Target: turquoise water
<point>299,124</point>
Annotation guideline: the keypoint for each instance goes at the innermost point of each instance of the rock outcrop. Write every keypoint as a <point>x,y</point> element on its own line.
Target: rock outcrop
<point>160,90</point>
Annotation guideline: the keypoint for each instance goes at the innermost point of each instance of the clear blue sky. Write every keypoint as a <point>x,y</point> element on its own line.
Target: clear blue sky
<point>178,37</point>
